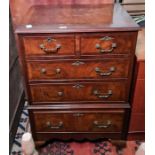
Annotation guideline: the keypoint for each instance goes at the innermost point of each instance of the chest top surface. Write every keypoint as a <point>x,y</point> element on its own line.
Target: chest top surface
<point>75,18</point>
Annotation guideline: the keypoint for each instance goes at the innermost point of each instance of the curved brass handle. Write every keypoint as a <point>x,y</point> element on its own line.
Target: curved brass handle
<point>50,50</point>
<point>43,71</point>
<point>60,93</point>
<point>102,95</point>
<point>101,50</point>
<point>58,126</point>
<point>58,70</point>
<point>103,125</point>
<point>98,70</point>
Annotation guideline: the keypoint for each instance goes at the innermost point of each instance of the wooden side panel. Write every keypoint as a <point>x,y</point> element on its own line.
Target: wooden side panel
<point>138,105</point>
<point>137,121</point>
<point>141,70</point>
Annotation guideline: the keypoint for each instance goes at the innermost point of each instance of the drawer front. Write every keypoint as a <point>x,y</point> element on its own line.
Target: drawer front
<point>97,91</point>
<point>107,43</point>
<point>53,45</point>
<point>100,121</point>
<point>78,69</point>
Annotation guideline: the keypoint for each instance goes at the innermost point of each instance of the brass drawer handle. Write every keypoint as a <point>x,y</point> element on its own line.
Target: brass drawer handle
<point>78,63</point>
<point>58,70</point>
<point>43,71</point>
<point>103,125</point>
<point>78,114</point>
<point>50,50</point>
<point>101,73</point>
<point>78,86</point>
<point>102,95</point>
<point>99,46</point>
<point>60,93</point>
<point>49,125</point>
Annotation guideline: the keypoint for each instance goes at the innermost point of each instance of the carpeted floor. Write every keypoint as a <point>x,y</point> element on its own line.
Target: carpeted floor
<point>22,128</point>
<point>89,148</point>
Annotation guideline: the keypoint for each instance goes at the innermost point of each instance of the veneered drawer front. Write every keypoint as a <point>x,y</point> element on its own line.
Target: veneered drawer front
<point>95,91</point>
<point>107,43</point>
<point>46,121</point>
<point>53,45</point>
<point>81,121</point>
<point>111,122</point>
<point>78,69</point>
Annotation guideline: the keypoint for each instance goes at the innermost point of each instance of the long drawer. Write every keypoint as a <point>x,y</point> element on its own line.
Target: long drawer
<point>78,121</point>
<point>78,69</point>
<point>80,91</point>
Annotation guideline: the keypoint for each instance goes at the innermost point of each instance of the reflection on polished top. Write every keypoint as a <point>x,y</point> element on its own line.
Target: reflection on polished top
<point>75,18</point>
<point>70,14</point>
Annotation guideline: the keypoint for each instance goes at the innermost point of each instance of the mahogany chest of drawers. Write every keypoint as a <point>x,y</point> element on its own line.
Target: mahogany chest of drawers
<point>77,70</point>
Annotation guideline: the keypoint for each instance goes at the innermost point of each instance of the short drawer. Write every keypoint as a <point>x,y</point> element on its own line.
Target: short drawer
<point>78,69</point>
<point>82,91</point>
<point>51,45</point>
<point>108,43</point>
<point>78,121</point>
